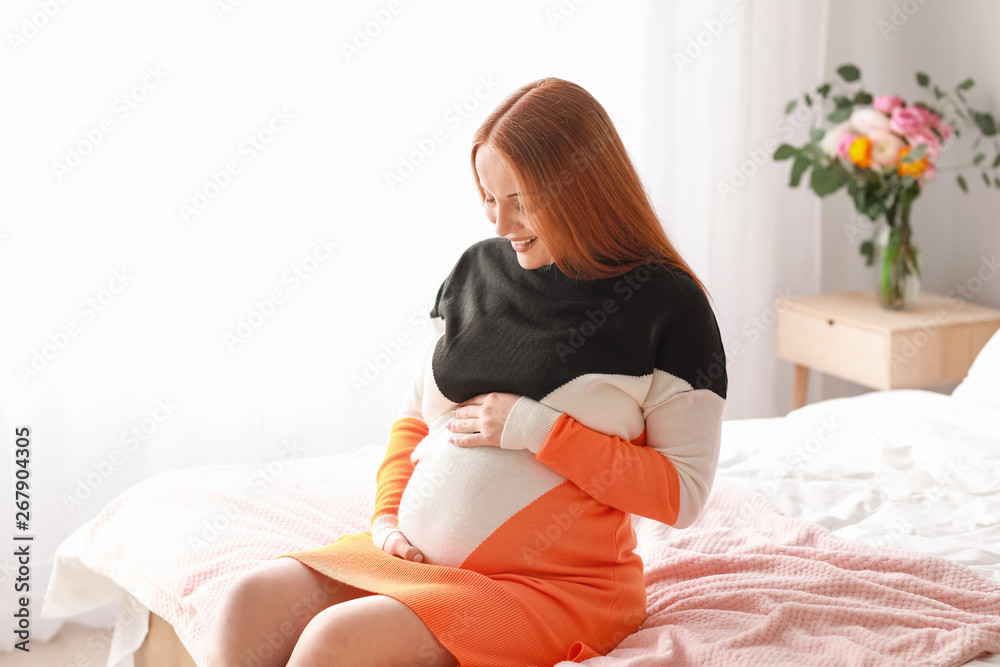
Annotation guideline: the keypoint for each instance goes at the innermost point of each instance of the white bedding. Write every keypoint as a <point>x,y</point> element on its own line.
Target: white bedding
<point>904,469</point>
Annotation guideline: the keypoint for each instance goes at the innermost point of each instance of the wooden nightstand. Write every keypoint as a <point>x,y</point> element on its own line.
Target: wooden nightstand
<point>848,335</point>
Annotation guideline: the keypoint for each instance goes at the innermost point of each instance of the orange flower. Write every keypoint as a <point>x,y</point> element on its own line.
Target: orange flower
<point>861,152</point>
<point>915,168</point>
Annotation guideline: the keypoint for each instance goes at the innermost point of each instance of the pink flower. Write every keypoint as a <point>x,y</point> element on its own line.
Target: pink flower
<point>886,147</point>
<point>927,116</point>
<point>844,147</point>
<point>866,120</point>
<point>906,120</point>
<point>886,103</point>
<point>925,136</point>
<point>945,130</point>
<point>930,173</point>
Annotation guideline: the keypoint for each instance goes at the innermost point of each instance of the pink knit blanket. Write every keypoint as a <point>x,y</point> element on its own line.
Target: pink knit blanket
<point>747,585</point>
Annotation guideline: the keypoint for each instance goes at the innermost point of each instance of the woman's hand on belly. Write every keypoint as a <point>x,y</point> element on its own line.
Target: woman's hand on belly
<point>479,421</point>
<point>397,545</point>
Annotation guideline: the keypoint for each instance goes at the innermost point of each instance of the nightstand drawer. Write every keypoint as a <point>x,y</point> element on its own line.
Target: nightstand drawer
<point>834,345</point>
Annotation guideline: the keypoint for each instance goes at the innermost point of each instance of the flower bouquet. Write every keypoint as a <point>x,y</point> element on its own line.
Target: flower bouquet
<point>884,150</point>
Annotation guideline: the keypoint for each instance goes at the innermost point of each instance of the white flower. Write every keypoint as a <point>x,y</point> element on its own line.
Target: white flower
<point>868,121</point>
<point>831,140</point>
<point>885,148</point>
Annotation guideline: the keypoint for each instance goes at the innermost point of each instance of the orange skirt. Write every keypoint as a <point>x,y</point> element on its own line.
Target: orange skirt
<point>499,620</point>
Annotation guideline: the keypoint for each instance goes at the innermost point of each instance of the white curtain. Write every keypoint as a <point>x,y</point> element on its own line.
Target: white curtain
<point>717,77</point>
<point>222,223</point>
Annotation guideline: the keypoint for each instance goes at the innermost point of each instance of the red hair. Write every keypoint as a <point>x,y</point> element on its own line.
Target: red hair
<point>576,182</point>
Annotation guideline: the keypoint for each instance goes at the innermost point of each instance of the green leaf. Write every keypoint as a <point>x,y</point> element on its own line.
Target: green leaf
<point>816,134</point>
<point>908,182</point>
<point>976,142</point>
<point>915,154</point>
<point>961,184</point>
<point>849,73</point>
<point>841,101</point>
<point>827,180</point>
<point>965,85</point>
<point>868,250</point>
<point>809,100</point>
<point>996,162</point>
<point>799,167</point>
<point>790,107</point>
<point>979,158</point>
<point>785,151</point>
<point>996,181</point>
<point>923,79</point>
<point>823,90</point>
<point>938,93</point>
<point>863,98</point>
<point>839,115</point>
<point>986,179</point>
<point>985,122</point>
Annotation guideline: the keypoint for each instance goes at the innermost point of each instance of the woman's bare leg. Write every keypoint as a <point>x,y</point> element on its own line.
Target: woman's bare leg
<point>372,631</point>
<point>265,610</point>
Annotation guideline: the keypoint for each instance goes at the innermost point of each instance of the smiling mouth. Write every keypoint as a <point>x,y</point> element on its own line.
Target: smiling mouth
<point>522,246</point>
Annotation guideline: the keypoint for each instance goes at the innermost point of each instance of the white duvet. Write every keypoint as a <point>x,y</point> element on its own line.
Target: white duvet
<point>905,469</point>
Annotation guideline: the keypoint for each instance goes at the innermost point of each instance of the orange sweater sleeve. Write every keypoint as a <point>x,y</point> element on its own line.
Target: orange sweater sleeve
<point>393,474</point>
<point>665,474</point>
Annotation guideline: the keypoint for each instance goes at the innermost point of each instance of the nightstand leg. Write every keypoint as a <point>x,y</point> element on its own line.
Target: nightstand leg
<point>799,386</point>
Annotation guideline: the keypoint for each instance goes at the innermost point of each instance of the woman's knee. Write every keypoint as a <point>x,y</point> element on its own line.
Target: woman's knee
<point>287,588</point>
<point>376,629</point>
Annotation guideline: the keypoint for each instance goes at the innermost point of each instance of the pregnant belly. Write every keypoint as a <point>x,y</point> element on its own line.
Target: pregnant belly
<point>457,496</point>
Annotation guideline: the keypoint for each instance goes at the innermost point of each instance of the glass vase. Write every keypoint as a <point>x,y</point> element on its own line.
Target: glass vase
<point>897,260</point>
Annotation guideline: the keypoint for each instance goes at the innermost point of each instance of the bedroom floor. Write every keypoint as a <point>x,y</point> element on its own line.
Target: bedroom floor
<point>72,643</point>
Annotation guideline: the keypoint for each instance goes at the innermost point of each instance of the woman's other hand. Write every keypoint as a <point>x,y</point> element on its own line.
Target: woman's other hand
<point>479,421</point>
<point>397,545</point>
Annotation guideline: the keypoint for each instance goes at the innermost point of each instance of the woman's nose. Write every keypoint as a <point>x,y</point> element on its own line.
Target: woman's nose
<point>507,221</point>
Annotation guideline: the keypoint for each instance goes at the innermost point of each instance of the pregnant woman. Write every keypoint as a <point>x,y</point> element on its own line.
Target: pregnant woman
<point>576,377</point>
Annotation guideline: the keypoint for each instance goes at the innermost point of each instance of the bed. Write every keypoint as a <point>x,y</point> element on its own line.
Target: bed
<point>854,531</point>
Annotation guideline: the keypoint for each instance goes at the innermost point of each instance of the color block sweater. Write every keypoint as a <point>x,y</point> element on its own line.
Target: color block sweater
<point>622,383</point>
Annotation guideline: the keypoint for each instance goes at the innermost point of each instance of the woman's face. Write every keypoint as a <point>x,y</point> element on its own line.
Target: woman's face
<point>503,208</point>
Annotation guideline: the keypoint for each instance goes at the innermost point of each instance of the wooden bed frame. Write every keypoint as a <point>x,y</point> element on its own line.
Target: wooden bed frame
<point>162,647</point>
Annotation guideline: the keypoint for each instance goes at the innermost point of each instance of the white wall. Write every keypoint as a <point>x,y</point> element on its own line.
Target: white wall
<point>890,40</point>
